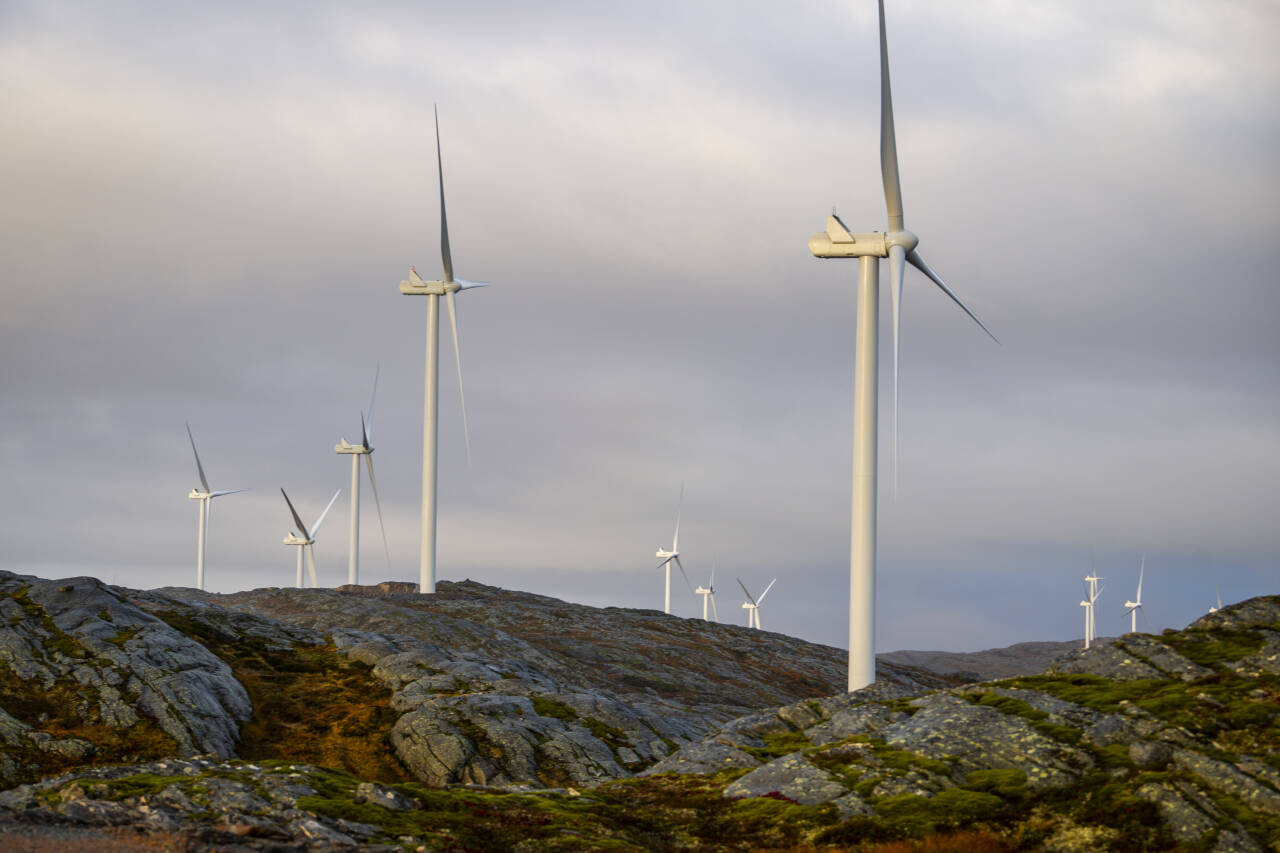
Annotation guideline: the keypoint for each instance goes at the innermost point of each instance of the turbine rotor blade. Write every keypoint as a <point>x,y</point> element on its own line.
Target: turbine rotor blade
<point>467,284</point>
<point>714,613</point>
<point>888,140</point>
<point>1142,568</point>
<point>766,591</point>
<point>680,566</point>
<point>754,603</point>
<point>897,270</point>
<point>367,428</point>
<point>364,434</point>
<point>368,458</point>
<point>302,528</point>
<point>199,467</point>
<point>664,562</point>
<point>444,221</point>
<point>913,257</point>
<point>457,357</point>
<point>226,492</point>
<point>675,540</point>
<point>319,521</point>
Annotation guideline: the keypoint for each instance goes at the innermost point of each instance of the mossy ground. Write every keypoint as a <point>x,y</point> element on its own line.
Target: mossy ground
<point>69,709</point>
<point>311,705</point>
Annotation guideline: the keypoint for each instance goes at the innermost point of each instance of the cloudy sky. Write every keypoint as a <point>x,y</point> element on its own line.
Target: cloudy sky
<point>206,209</point>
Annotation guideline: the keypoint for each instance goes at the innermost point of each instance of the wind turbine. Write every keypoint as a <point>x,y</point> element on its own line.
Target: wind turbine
<point>205,495</point>
<point>899,246</point>
<point>708,593</point>
<point>365,449</point>
<point>1136,605</point>
<point>672,556</point>
<point>752,605</point>
<point>1092,591</point>
<point>1218,593</point>
<point>433,290</point>
<point>307,540</point>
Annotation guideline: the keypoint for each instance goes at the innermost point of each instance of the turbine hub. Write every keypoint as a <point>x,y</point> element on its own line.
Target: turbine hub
<point>904,238</point>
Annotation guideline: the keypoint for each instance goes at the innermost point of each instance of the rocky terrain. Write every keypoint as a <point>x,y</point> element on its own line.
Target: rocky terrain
<point>485,719</point>
<point>1010,661</point>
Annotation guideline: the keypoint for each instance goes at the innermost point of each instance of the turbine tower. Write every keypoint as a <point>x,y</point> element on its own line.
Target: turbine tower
<point>708,593</point>
<point>433,290</point>
<point>752,605</point>
<point>899,246</point>
<point>1092,591</point>
<point>1132,607</point>
<point>205,495</point>
<point>365,449</point>
<point>1218,593</point>
<point>307,540</point>
<point>672,556</point>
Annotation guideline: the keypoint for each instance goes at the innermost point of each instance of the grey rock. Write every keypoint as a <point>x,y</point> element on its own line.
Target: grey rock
<point>1107,660</point>
<point>1185,821</point>
<point>371,792</point>
<point>708,756</point>
<point>1223,777</point>
<point>1150,755</point>
<point>791,776</point>
<point>1163,657</point>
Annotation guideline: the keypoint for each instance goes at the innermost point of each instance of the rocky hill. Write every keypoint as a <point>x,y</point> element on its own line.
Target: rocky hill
<point>1010,661</point>
<point>480,718</point>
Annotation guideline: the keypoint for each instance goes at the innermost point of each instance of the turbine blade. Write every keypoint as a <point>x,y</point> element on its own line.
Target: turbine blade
<point>311,565</point>
<point>368,427</point>
<point>226,492</point>
<point>744,589</point>
<point>664,562</point>
<point>888,141</point>
<point>918,262</point>
<point>680,566</point>
<point>457,357</point>
<point>711,584</point>
<point>467,284</point>
<point>714,613</point>
<point>897,270</point>
<point>302,528</point>
<point>199,467</point>
<point>1142,568</point>
<point>675,540</point>
<point>766,591</point>
<point>319,521</point>
<point>368,458</point>
<point>364,433</point>
<point>444,220</point>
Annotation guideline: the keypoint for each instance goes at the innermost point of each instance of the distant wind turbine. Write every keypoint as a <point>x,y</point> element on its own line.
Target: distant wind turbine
<point>307,540</point>
<point>899,246</point>
<point>1092,591</point>
<point>672,556</point>
<point>365,449</point>
<point>1217,592</point>
<point>433,290</point>
<point>708,593</point>
<point>205,495</point>
<point>1132,607</point>
<point>752,604</point>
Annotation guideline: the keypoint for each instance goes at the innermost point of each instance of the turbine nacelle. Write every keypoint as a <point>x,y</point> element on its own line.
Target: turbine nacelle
<point>416,286</point>
<point>839,242</point>
<point>664,554</point>
<point>347,447</point>
<point>295,539</point>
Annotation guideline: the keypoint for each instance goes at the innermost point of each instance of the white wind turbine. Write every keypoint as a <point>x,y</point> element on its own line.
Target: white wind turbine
<point>1092,591</point>
<point>205,495</point>
<point>752,604</point>
<point>708,593</point>
<point>433,290</point>
<point>899,246</point>
<point>1132,607</point>
<point>307,540</point>
<point>672,556</point>
<point>365,449</point>
<point>1218,593</point>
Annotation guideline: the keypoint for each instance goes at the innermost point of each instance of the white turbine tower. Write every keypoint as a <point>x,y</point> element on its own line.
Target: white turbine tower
<point>708,593</point>
<point>1132,607</point>
<point>307,540</point>
<point>672,556</point>
<point>752,605</point>
<point>365,449</point>
<point>205,495</point>
<point>1092,591</point>
<point>433,290</point>
<point>899,246</point>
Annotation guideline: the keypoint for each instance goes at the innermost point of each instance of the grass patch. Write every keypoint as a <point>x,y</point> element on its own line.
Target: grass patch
<point>1009,705</point>
<point>1215,646</point>
<point>545,706</point>
<point>778,744</point>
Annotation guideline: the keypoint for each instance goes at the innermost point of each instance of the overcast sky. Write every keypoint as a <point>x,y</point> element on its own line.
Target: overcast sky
<point>206,209</point>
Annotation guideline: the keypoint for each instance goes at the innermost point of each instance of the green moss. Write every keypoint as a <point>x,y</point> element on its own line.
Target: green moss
<point>909,815</point>
<point>1010,705</point>
<point>778,744</point>
<point>1009,784</point>
<point>105,615</point>
<point>123,636</point>
<point>1215,646</point>
<point>545,706</point>
<point>142,784</point>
